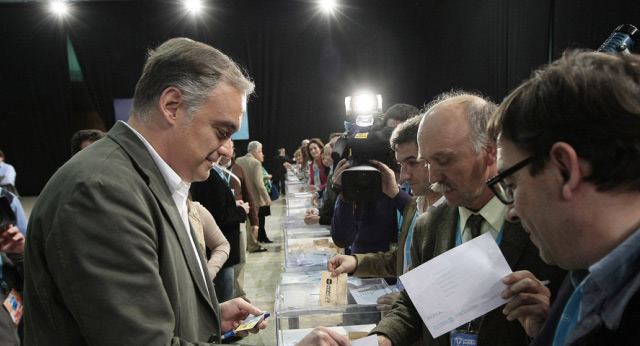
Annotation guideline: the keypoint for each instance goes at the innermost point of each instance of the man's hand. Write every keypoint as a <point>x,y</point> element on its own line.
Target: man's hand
<point>254,230</point>
<point>339,264</point>
<point>11,240</point>
<point>387,301</point>
<point>233,313</point>
<point>287,165</point>
<point>337,173</point>
<point>244,205</point>
<point>389,184</point>
<point>268,203</point>
<point>322,336</point>
<point>530,303</point>
<point>383,341</point>
<point>310,219</point>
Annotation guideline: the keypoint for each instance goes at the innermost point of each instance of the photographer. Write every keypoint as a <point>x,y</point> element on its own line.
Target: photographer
<point>395,262</point>
<point>369,226</point>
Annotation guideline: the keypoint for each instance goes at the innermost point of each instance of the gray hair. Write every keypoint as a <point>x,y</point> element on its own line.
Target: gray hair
<point>193,67</point>
<point>478,113</point>
<point>253,146</point>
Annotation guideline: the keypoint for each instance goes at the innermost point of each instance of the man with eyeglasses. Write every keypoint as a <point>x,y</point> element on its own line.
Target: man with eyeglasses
<point>452,140</point>
<point>569,144</point>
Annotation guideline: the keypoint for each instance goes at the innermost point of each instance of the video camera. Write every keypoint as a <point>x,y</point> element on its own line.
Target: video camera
<point>361,143</point>
<point>621,40</point>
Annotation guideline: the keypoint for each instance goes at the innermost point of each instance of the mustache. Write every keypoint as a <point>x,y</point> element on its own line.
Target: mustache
<point>440,187</point>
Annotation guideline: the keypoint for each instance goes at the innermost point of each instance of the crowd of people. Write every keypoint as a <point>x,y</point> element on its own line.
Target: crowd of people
<point>138,238</point>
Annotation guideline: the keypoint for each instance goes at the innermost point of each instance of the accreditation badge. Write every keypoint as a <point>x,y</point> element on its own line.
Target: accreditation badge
<point>13,304</point>
<point>458,339</point>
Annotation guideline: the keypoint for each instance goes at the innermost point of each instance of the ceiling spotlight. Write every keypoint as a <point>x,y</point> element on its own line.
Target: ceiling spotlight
<point>59,7</point>
<point>193,6</point>
<point>328,5</point>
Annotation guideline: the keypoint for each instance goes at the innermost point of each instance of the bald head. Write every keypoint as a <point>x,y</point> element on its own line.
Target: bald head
<point>452,139</point>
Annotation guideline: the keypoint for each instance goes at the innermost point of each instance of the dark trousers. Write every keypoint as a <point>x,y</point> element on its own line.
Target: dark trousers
<point>263,212</point>
<point>281,186</point>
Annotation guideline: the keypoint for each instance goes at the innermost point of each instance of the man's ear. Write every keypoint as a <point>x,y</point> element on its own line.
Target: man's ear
<point>170,102</point>
<point>569,169</point>
<point>491,153</point>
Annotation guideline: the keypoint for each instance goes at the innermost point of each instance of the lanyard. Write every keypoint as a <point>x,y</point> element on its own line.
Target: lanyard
<point>316,175</point>
<point>222,175</point>
<point>459,234</point>
<point>569,317</point>
<point>407,244</point>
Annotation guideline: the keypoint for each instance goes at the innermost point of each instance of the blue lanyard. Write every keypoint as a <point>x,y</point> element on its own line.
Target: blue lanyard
<point>569,317</point>
<point>459,234</point>
<point>222,175</point>
<point>316,175</point>
<point>400,220</point>
<point>407,245</point>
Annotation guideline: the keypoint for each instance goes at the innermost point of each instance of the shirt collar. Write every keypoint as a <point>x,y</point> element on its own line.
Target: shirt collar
<point>179,189</point>
<point>493,212</point>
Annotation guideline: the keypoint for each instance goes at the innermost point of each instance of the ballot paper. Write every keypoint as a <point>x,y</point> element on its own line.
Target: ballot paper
<point>459,285</point>
<point>368,295</point>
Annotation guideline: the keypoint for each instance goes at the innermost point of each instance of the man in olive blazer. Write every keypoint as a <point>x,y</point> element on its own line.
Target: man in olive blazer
<point>110,256</point>
<point>453,141</point>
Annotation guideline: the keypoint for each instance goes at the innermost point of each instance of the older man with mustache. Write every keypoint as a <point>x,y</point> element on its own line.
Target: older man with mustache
<point>453,141</point>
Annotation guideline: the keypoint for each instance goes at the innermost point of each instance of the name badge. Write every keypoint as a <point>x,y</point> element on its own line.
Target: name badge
<point>13,304</point>
<point>464,339</point>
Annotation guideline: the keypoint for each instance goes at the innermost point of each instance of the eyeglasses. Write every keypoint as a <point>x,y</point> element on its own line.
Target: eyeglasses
<point>501,189</point>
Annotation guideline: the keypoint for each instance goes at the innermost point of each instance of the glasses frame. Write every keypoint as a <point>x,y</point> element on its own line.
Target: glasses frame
<point>491,183</point>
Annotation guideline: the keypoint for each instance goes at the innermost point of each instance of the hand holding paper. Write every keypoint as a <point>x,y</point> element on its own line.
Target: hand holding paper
<point>459,285</point>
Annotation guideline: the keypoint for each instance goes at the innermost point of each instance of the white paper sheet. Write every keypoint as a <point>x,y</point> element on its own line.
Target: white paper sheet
<point>369,295</point>
<point>371,340</point>
<point>459,285</point>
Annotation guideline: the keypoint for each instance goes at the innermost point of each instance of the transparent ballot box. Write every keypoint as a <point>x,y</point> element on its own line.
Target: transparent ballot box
<point>292,177</point>
<point>298,311</point>
<point>296,226</point>
<point>301,277</point>
<point>297,213</point>
<point>299,200</point>
<point>308,251</point>
<point>295,187</point>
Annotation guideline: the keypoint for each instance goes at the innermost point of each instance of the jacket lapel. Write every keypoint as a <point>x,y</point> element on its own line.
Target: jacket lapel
<point>514,240</point>
<point>447,223</point>
<point>148,169</point>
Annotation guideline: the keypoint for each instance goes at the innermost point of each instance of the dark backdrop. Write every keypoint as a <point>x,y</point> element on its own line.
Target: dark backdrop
<point>303,63</point>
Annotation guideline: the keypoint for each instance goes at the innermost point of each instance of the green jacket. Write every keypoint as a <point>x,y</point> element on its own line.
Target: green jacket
<point>108,260</point>
<point>434,234</point>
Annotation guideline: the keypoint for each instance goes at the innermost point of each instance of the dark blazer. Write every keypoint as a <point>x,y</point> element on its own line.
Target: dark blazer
<point>215,195</point>
<point>624,334</point>
<point>434,234</point>
<point>108,260</point>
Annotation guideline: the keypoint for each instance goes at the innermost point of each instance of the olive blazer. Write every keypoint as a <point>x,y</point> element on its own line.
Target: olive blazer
<point>108,260</point>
